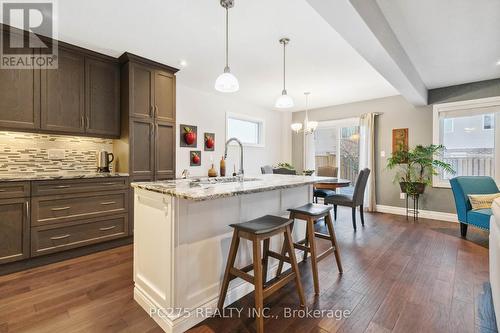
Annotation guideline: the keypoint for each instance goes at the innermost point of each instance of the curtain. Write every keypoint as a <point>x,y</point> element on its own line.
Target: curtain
<point>367,156</point>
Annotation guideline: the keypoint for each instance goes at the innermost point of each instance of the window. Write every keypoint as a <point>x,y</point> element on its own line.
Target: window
<point>488,122</point>
<point>250,131</point>
<point>448,125</point>
<point>467,130</point>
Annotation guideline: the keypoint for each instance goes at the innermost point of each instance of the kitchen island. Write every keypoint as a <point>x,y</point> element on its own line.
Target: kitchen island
<point>182,239</point>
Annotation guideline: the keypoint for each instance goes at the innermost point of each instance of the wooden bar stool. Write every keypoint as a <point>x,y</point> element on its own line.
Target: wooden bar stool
<point>311,213</point>
<point>256,230</point>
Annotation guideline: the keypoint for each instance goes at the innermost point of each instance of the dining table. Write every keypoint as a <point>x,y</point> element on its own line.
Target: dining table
<point>332,184</point>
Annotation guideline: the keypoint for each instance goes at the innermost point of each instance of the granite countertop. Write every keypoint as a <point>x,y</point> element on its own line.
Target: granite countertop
<point>199,191</point>
<point>26,176</point>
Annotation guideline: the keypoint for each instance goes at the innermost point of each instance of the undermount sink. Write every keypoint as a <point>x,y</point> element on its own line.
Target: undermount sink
<point>220,180</point>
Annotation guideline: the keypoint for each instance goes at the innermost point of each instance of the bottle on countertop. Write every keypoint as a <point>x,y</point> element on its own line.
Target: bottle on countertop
<point>222,167</point>
<point>212,172</point>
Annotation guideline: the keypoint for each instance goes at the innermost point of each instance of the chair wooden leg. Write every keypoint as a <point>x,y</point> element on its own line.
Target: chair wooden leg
<point>312,247</point>
<point>463,229</point>
<point>354,218</point>
<point>335,212</point>
<point>304,256</point>
<point>329,223</point>
<point>284,248</point>
<point>259,286</point>
<point>295,267</point>
<point>362,214</point>
<point>265,260</point>
<point>233,249</point>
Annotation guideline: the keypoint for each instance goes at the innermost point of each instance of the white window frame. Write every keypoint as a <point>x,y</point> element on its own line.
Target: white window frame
<point>487,129</point>
<point>465,105</point>
<point>260,121</point>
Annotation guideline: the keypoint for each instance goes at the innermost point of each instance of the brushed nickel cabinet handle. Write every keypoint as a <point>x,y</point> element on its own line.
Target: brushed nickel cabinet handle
<point>60,208</point>
<point>87,124</point>
<point>108,183</point>
<point>62,186</point>
<point>107,228</point>
<point>82,122</point>
<point>27,209</point>
<point>60,237</point>
<point>2,190</point>
<point>108,203</point>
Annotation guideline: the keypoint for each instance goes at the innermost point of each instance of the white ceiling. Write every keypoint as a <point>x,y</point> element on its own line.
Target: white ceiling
<point>448,41</point>
<point>319,60</point>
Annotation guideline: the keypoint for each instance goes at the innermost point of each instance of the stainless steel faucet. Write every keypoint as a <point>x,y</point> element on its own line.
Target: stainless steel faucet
<point>242,173</point>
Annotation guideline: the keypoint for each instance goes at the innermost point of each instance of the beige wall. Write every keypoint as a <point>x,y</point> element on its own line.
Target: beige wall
<point>396,113</point>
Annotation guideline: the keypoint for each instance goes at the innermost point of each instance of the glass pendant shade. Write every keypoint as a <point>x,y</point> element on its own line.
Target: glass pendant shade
<point>296,127</point>
<point>227,82</point>
<point>284,102</point>
<point>311,126</point>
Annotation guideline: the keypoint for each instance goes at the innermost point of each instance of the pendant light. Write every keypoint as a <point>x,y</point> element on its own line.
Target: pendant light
<point>284,101</point>
<point>309,126</point>
<point>227,82</point>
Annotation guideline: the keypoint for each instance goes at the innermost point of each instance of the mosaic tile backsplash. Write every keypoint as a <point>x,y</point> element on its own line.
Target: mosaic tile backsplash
<point>29,152</point>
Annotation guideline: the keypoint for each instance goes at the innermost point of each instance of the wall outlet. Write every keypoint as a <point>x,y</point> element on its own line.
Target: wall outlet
<point>56,154</point>
<point>382,153</point>
<point>402,195</point>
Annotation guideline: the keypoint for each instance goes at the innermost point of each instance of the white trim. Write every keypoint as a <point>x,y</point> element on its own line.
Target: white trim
<point>260,121</point>
<point>462,105</point>
<point>426,214</point>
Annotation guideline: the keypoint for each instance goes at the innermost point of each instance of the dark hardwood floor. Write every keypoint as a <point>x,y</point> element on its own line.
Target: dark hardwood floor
<point>398,276</point>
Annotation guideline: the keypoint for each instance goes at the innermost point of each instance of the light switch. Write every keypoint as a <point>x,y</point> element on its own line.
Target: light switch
<point>56,154</point>
<point>402,195</point>
<point>382,153</point>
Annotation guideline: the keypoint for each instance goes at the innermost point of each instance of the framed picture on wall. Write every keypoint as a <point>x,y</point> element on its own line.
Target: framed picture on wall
<point>188,136</point>
<point>399,139</point>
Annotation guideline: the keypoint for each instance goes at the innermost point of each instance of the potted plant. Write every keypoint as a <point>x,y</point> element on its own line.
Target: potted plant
<point>415,167</point>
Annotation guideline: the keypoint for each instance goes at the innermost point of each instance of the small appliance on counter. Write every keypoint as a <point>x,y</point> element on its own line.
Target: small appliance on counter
<point>104,160</point>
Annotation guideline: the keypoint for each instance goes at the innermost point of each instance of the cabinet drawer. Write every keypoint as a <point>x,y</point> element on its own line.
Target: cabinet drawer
<point>66,208</point>
<point>55,187</point>
<point>14,190</point>
<point>55,238</point>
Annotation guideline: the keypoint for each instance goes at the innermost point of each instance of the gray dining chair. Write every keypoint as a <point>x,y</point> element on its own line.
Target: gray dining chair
<point>325,171</point>
<point>353,201</point>
<point>284,171</point>
<point>266,169</point>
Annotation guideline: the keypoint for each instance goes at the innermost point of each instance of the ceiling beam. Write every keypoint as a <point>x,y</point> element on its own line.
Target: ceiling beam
<point>362,24</point>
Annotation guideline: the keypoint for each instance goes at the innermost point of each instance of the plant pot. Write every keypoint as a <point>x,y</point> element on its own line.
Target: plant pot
<point>415,188</point>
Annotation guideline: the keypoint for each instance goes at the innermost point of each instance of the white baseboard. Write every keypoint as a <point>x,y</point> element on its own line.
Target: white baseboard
<point>426,214</point>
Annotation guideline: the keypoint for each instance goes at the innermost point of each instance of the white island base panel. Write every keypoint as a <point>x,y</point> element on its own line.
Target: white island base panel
<point>181,248</point>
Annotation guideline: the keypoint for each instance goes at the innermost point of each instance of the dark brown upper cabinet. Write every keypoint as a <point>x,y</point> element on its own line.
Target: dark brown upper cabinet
<point>164,97</point>
<point>63,94</point>
<point>141,91</point>
<point>20,98</point>
<point>164,150</point>
<point>147,149</point>
<point>81,96</point>
<point>142,149</point>
<point>102,97</point>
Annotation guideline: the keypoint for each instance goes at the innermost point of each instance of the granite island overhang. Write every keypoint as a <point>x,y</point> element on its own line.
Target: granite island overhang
<point>182,238</point>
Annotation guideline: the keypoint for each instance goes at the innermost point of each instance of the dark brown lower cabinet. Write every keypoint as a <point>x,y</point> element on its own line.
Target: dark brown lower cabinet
<point>14,229</point>
<point>54,238</point>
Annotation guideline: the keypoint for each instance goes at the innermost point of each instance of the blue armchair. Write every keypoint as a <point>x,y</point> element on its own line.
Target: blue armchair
<point>462,187</point>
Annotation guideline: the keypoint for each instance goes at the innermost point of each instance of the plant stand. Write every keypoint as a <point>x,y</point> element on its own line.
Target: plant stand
<point>412,210</point>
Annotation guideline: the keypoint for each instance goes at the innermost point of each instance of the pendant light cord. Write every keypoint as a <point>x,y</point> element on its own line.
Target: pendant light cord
<point>227,38</point>
<point>284,67</point>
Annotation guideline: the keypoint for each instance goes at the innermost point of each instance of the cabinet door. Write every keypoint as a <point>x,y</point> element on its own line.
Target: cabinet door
<point>141,93</point>
<point>164,97</point>
<point>142,149</point>
<point>19,98</point>
<point>164,150</point>
<point>102,96</point>
<point>62,94</point>
<point>14,224</point>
